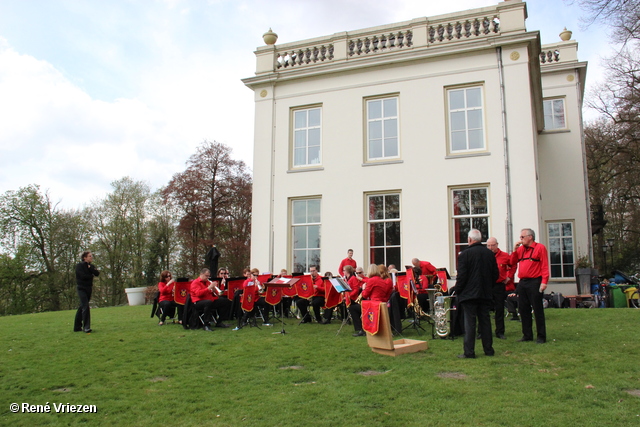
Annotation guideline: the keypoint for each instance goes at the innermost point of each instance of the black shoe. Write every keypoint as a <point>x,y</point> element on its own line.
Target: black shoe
<point>464,356</point>
<point>221,325</point>
<point>360,334</point>
<point>523,339</point>
<point>490,354</point>
<point>88,331</point>
<point>516,319</point>
<point>541,341</point>
<point>501,336</point>
<point>326,321</point>
<point>207,328</point>
<point>306,321</point>
<point>77,330</point>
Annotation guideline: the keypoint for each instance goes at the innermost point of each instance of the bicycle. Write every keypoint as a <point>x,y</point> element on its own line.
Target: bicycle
<point>634,292</point>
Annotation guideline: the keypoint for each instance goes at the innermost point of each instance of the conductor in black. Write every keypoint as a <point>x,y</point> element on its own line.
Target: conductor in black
<point>85,272</point>
<point>477,272</point>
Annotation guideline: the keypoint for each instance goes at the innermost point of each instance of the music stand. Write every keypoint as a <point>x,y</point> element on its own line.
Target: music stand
<point>416,317</point>
<point>281,282</point>
<point>340,285</point>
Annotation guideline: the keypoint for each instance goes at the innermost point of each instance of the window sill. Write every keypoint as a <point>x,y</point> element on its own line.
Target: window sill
<point>383,162</point>
<point>552,131</point>
<point>309,169</point>
<point>463,155</point>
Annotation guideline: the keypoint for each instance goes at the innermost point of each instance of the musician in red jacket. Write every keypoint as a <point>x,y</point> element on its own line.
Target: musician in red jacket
<point>354,307</point>
<point>204,294</point>
<point>165,299</point>
<point>533,271</point>
<point>347,261</point>
<point>505,277</point>
<point>317,300</point>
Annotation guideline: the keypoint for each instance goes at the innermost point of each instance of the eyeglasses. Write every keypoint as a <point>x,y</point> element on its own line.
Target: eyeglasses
<point>225,274</point>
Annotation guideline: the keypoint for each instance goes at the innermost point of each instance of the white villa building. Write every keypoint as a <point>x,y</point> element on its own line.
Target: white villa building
<point>395,140</point>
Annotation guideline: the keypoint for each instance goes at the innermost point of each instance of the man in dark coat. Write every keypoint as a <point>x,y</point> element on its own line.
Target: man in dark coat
<point>477,272</point>
<point>85,272</point>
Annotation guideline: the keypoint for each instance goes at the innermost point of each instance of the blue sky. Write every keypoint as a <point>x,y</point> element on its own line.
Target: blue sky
<point>92,90</point>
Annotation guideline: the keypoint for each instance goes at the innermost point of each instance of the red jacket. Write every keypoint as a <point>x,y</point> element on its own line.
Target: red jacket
<point>532,262</point>
<point>504,269</point>
<point>377,290</point>
<point>345,262</point>
<point>166,291</point>
<point>200,291</point>
<point>356,287</point>
<point>427,268</point>
<point>318,291</point>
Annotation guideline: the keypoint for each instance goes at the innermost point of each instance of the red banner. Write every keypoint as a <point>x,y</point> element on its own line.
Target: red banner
<point>249,298</point>
<point>370,316</point>
<point>304,288</point>
<point>180,292</point>
<point>443,280</point>
<point>273,295</point>
<point>233,285</point>
<point>331,296</point>
<point>403,285</point>
<point>289,292</point>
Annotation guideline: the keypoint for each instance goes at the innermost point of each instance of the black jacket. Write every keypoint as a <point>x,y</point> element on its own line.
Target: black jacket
<point>85,273</point>
<point>477,272</point>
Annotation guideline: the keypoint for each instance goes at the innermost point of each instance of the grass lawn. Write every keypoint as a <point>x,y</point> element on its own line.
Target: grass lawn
<point>137,373</point>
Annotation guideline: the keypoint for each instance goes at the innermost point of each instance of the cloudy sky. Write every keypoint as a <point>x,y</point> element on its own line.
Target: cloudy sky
<point>92,90</point>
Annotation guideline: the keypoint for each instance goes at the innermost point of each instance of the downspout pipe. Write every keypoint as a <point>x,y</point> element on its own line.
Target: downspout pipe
<point>505,146</point>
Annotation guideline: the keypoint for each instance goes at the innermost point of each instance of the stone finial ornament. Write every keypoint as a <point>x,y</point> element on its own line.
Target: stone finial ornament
<point>270,37</point>
<point>565,35</point>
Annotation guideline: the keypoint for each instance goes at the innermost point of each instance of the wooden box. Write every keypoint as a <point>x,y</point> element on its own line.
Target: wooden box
<point>383,342</point>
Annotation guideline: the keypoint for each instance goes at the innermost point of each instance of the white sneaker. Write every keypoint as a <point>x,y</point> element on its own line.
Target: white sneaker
<point>237,328</point>
<point>267,324</point>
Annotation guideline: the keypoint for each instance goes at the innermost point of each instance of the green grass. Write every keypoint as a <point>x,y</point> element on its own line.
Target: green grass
<point>137,373</point>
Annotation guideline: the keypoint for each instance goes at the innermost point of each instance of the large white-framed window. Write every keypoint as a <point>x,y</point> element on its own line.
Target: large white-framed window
<point>554,114</point>
<point>307,136</point>
<point>383,139</point>
<point>469,209</point>
<point>383,223</point>
<point>561,249</point>
<point>305,233</point>
<point>466,119</point>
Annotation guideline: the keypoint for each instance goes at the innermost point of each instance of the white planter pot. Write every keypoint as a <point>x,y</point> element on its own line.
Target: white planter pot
<point>135,295</point>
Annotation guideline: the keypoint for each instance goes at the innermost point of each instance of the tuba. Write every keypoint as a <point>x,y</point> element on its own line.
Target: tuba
<point>441,313</point>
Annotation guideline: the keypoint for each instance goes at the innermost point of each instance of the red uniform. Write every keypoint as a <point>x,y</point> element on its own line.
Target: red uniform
<point>200,291</point>
<point>427,268</point>
<point>532,262</point>
<point>377,289</point>
<point>345,262</point>
<point>356,287</point>
<point>318,290</point>
<point>166,292</point>
<point>504,269</point>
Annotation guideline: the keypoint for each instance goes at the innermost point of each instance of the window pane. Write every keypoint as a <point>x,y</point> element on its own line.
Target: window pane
<point>479,201</point>
<point>456,99</point>
<point>567,270</point>
<point>554,230</point>
<point>390,128</point>
<point>390,107</point>
<point>299,212</point>
<point>375,109</point>
<point>377,255</point>
<point>299,157</point>
<point>462,227</point>
<point>475,139</point>
<point>314,155</point>
<point>458,121</point>
<point>300,119</point>
<point>300,138</point>
<point>375,130</point>
<point>458,141</point>
<point>392,206</point>
<point>546,105</point>
<point>393,257</point>
<point>314,137</point>
<point>475,119</point>
<point>556,271</point>
<point>393,233</point>
<point>313,209</point>
<point>391,147</point>
<point>482,224</point>
<point>313,236</point>
<point>375,207</point>
<point>474,97</point>
<point>461,202</point>
<point>300,261</point>
<point>300,237</point>
<point>314,117</point>
<point>377,234</point>
<point>314,259</point>
<point>375,149</point>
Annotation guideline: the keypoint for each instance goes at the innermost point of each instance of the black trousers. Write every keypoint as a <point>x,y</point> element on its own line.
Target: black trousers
<point>168,309</point>
<point>83,315</point>
<point>397,306</point>
<point>499,295</point>
<point>356,315</point>
<point>477,309</point>
<point>317,303</point>
<point>261,305</point>
<point>529,296</point>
